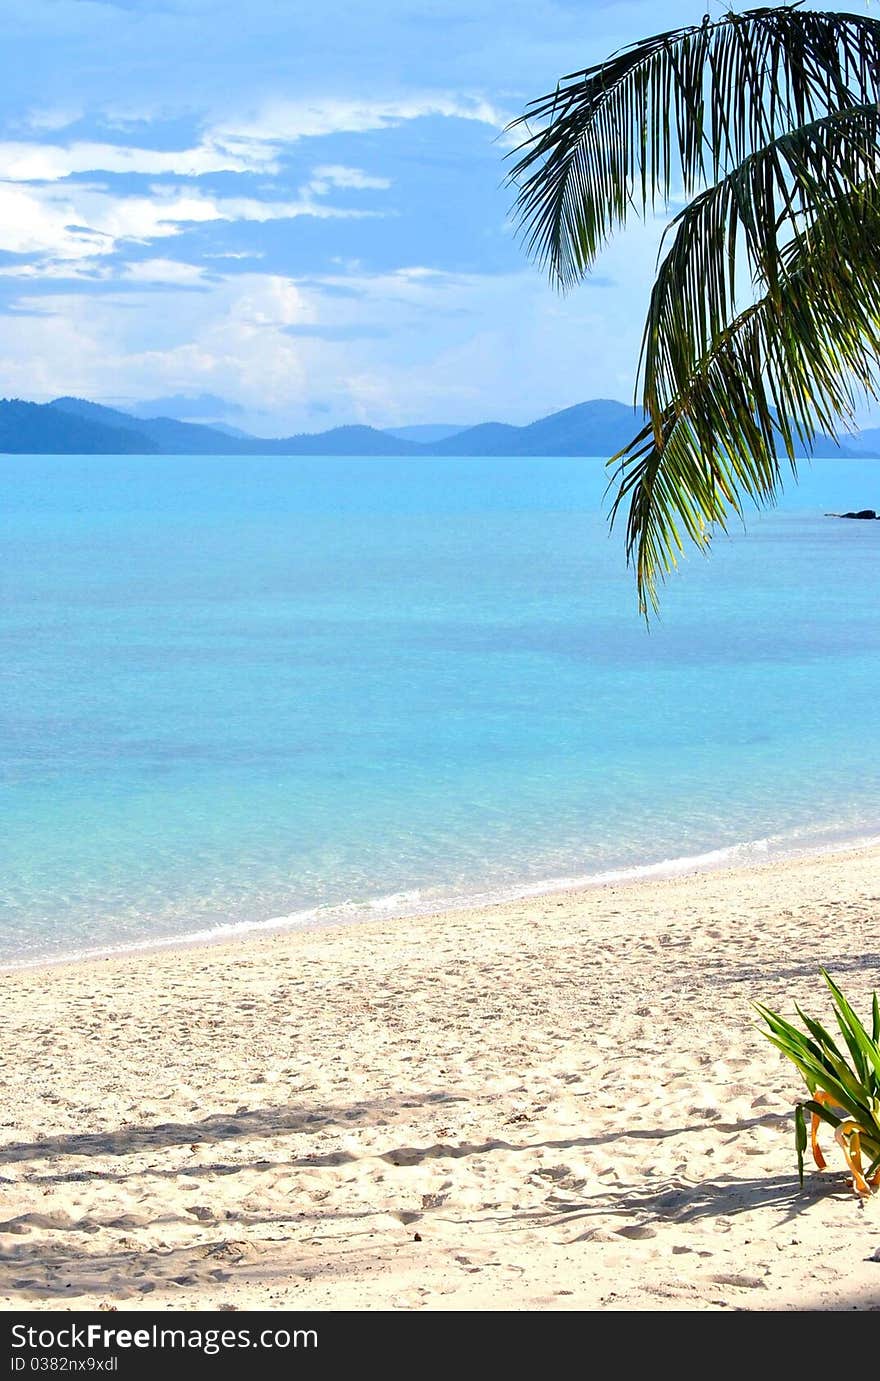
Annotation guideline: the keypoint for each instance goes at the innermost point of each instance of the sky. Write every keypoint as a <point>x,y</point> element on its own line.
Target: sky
<point>287,215</point>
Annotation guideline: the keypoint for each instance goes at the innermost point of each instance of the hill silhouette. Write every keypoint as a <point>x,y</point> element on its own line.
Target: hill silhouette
<point>71,426</point>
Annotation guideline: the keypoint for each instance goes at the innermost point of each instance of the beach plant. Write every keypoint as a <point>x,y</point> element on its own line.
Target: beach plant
<point>759,133</point>
<point>844,1085</point>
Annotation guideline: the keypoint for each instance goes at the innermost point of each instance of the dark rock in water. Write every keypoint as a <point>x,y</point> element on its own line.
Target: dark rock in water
<point>862,513</point>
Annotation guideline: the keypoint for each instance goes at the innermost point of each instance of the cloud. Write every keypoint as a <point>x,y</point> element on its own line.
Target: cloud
<point>80,222</point>
<point>172,272</point>
<point>51,118</point>
<point>22,161</point>
<point>287,122</point>
<point>383,348</point>
<point>143,210</point>
<point>250,209</point>
<point>336,175</point>
<point>62,220</point>
<point>229,341</point>
<point>32,223</point>
<point>252,144</point>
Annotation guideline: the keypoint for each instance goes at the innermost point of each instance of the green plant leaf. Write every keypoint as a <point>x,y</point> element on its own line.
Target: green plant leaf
<point>679,107</point>
<point>824,1068</point>
<point>822,1111</point>
<point>817,1072</point>
<point>800,1140</point>
<point>854,1033</point>
<point>768,122</point>
<point>792,363</point>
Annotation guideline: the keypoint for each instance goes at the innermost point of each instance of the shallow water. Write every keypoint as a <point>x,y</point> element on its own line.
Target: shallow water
<point>238,689</point>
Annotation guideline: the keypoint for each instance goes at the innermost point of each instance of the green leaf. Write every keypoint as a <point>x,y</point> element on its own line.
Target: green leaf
<point>764,322</point>
<point>800,1140</point>
<point>851,1090</point>
<point>854,1033</point>
<point>821,1110</point>
<point>792,363</point>
<point>828,1045</point>
<point>817,1072</point>
<point>682,107</point>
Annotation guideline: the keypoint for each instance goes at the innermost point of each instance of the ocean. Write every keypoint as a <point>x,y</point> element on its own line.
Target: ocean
<point>247,692</point>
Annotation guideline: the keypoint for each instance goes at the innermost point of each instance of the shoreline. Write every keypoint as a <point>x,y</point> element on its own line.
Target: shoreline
<point>559,1102</point>
<point>759,855</point>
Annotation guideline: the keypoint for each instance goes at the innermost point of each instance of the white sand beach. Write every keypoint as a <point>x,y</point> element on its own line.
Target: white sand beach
<point>558,1103</point>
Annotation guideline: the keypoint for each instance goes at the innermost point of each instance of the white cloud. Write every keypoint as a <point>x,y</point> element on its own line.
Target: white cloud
<point>86,270</point>
<point>52,118</point>
<point>250,145</point>
<point>249,209</point>
<point>286,122</point>
<point>410,345</point>
<point>336,175</point>
<point>233,335</point>
<point>78,222</point>
<point>64,227</point>
<point>81,222</point>
<point>172,272</point>
<point>31,223</point>
<point>33,162</point>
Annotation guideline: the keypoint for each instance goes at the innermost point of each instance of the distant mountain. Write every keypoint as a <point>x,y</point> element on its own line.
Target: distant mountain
<point>170,437</point>
<point>74,425</point>
<point>486,439</point>
<point>165,434</point>
<point>227,430</point>
<point>865,443</point>
<point>37,429</point>
<point>424,432</point>
<point>600,428</point>
<point>341,441</point>
<point>597,428</point>
<point>205,408</point>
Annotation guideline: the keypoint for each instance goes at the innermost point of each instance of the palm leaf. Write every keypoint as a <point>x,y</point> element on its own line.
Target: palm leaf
<point>768,122</point>
<point>791,364</point>
<point>822,1111</point>
<point>685,105</point>
<point>766,203</point>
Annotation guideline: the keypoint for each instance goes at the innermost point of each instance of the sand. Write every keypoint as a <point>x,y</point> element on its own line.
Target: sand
<point>558,1103</point>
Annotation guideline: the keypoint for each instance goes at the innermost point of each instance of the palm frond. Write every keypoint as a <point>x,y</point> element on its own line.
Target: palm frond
<point>687,105</point>
<point>792,363</point>
<point>755,211</point>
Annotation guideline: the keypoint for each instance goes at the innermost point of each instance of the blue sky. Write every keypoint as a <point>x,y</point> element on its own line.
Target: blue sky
<point>297,208</point>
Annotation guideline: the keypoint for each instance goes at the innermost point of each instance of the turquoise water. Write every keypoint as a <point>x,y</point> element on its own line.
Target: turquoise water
<point>233,690</point>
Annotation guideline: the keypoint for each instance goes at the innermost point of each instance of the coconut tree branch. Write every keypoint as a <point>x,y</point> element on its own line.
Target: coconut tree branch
<point>791,364</point>
<point>766,202</point>
<point>685,105</point>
